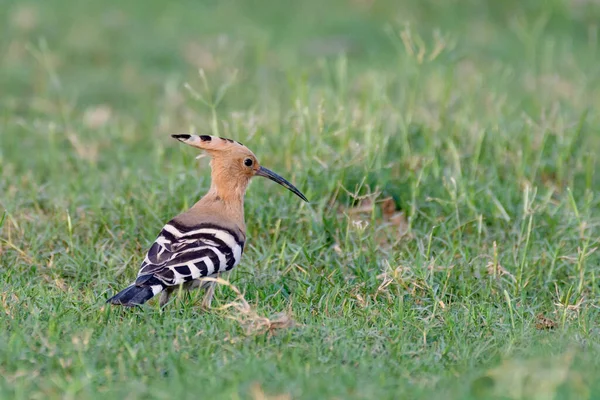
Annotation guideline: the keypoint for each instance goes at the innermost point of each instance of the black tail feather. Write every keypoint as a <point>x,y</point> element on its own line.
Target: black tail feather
<point>132,296</point>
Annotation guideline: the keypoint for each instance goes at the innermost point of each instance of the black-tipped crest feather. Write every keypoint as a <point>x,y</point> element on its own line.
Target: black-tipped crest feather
<point>181,137</point>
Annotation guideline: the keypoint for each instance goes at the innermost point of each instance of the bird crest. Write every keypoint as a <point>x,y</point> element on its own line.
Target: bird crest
<point>211,143</point>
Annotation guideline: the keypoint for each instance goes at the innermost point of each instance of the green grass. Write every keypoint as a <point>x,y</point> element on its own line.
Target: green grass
<point>479,118</point>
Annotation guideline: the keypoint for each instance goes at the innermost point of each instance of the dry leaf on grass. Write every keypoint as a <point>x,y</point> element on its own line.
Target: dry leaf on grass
<point>365,206</point>
<point>59,283</point>
<point>385,282</point>
<point>391,227</point>
<point>248,317</point>
<point>543,323</point>
<point>499,270</point>
<point>388,208</point>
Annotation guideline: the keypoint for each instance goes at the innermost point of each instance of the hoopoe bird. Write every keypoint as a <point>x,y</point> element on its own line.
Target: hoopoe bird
<point>208,239</point>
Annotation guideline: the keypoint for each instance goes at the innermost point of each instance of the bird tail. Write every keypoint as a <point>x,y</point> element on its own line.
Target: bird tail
<point>138,293</point>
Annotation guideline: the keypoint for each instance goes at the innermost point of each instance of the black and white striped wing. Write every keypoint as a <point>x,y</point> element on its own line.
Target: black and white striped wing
<point>181,254</point>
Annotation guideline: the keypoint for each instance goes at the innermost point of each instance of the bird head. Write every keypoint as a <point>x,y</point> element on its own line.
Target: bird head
<point>233,164</point>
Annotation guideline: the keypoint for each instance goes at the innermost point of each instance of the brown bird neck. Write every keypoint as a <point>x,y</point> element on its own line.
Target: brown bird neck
<point>227,194</point>
<point>232,198</point>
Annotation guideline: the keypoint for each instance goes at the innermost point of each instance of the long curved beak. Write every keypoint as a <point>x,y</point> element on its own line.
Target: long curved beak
<point>267,173</point>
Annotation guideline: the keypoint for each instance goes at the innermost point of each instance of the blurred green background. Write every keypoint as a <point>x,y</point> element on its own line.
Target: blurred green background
<point>478,118</point>
<point>126,55</point>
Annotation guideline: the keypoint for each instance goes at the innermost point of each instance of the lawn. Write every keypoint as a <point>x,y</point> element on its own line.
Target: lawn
<point>449,149</point>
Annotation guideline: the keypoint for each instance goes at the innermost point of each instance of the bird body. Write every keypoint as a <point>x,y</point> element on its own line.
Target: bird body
<point>208,239</point>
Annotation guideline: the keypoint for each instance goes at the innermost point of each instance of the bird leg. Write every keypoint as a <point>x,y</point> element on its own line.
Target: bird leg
<point>191,285</point>
<point>210,292</point>
<point>164,297</point>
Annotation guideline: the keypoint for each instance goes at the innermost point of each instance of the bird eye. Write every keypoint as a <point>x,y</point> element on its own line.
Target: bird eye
<point>248,162</point>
